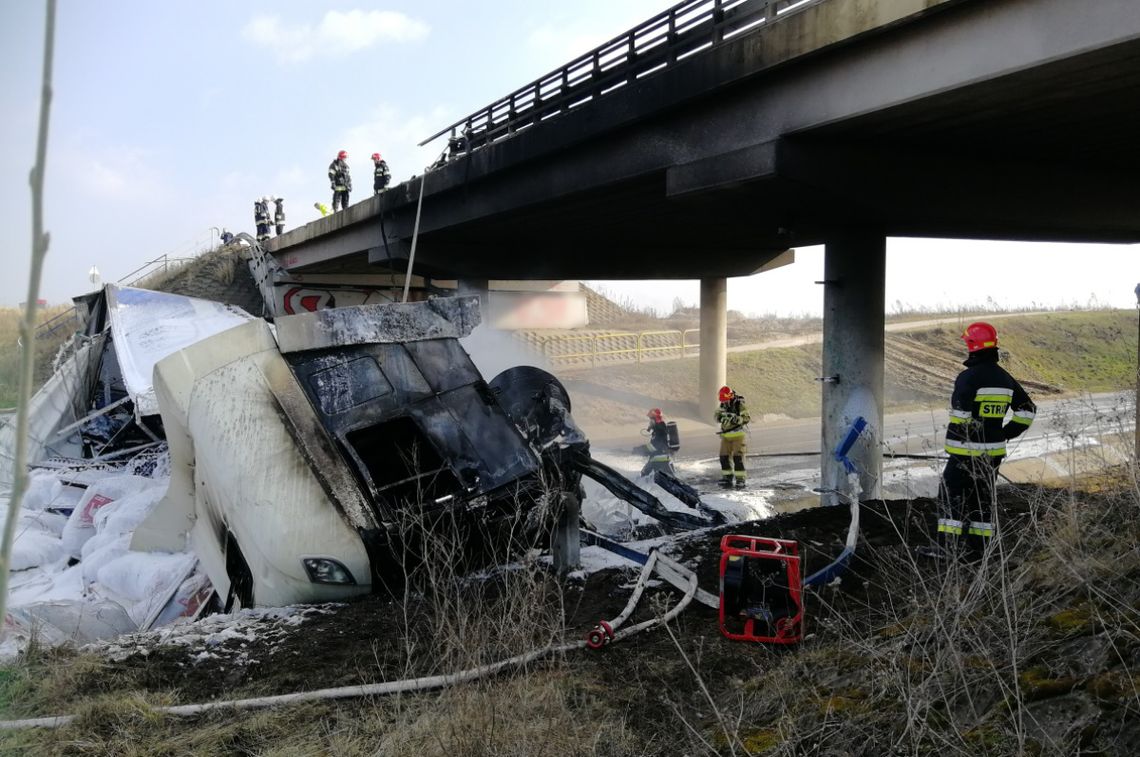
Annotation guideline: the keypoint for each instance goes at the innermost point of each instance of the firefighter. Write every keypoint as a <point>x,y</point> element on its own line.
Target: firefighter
<point>732,415</point>
<point>340,181</point>
<point>321,208</point>
<point>279,215</point>
<point>657,448</point>
<point>380,173</point>
<point>261,218</point>
<point>975,440</point>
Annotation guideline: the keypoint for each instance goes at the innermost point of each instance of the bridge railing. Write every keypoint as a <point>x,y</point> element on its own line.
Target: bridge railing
<point>686,29</point>
<point>612,347</point>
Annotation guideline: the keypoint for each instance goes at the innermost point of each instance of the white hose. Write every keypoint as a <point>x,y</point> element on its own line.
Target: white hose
<point>415,237</point>
<point>657,561</point>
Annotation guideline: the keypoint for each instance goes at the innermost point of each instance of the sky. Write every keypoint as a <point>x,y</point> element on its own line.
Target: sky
<point>168,119</point>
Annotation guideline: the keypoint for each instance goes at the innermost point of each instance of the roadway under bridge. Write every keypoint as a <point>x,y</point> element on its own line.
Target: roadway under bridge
<point>713,137</point>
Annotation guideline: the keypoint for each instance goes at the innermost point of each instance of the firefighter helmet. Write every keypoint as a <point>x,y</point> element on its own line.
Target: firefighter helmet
<point>725,394</point>
<point>342,155</point>
<point>376,156</point>
<point>655,415</point>
<point>979,336</point>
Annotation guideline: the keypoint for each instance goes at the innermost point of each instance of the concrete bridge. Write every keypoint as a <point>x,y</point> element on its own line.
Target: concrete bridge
<point>718,134</point>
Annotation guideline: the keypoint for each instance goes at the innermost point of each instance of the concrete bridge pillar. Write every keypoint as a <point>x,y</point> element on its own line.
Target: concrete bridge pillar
<point>853,351</point>
<point>714,344</point>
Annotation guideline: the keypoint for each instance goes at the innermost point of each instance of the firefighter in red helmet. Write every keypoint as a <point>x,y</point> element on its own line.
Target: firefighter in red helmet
<point>381,175</point>
<point>732,416</point>
<point>340,180</point>
<point>660,454</point>
<point>976,436</point>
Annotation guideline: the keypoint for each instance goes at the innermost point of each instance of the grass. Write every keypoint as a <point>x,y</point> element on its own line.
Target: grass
<point>10,319</point>
<point>1032,652</point>
<point>1084,351</point>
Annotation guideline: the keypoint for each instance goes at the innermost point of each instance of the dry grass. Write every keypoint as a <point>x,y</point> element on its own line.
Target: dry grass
<point>1034,651</point>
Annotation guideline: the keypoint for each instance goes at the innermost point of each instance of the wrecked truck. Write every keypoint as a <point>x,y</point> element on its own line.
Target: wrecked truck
<point>308,455</point>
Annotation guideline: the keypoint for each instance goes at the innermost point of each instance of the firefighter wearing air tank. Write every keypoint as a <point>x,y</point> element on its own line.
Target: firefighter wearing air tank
<point>658,445</point>
<point>732,415</point>
<point>975,439</point>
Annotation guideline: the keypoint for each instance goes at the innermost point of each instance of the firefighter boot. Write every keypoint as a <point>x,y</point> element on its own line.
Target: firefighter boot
<point>740,483</point>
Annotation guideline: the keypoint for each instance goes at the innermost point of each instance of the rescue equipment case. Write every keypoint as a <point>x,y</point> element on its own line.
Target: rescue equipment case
<point>761,590</point>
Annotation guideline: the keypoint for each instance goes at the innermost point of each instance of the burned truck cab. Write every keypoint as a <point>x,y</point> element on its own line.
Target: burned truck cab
<point>432,450</point>
<point>315,459</point>
<point>416,421</point>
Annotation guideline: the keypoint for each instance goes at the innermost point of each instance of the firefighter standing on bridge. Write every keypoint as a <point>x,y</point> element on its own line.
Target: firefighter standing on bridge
<point>732,415</point>
<point>279,215</point>
<point>380,173</point>
<point>340,181</point>
<point>975,441</point>
<point>261,218</point>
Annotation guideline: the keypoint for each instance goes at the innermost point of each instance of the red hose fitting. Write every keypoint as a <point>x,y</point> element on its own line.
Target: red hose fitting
<point>600,635</point>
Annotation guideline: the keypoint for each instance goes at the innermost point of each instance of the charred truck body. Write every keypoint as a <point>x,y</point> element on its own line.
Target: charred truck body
<point>307,461</point>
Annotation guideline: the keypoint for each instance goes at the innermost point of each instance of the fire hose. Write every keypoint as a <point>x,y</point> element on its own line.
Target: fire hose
<point>672,571</point>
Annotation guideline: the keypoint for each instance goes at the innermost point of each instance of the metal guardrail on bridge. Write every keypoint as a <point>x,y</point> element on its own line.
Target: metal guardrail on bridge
<point>685,29</point>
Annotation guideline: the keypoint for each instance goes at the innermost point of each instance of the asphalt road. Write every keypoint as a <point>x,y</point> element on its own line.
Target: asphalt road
<point>917,432</point>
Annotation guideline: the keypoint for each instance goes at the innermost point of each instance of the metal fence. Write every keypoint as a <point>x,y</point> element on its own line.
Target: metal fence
<point>685,29</point>
<point>607,348</point>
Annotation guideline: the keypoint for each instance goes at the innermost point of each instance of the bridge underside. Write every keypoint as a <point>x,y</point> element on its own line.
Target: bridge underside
<point>1031,138</point>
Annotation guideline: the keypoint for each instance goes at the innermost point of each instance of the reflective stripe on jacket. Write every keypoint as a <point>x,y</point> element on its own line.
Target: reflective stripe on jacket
<point>984,394</point>
<point>339,176</point>
<point>732,417</point>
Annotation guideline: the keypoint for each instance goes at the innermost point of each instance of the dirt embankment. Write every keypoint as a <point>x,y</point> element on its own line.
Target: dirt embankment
<point>1036,650</point>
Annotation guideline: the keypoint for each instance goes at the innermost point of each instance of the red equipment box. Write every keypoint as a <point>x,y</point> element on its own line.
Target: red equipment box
<point>761,590</point>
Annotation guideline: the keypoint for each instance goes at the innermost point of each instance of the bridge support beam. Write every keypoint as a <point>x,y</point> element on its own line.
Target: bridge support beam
<point>714,344</point>
<point>853,353</point>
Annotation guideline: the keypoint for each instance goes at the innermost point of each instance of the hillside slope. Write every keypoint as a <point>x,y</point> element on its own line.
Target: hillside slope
<point>1051,354</point>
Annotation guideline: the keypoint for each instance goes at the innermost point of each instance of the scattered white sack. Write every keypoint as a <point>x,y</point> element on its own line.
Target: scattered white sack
<point>44,490</point>
<point>77,621</point>
<point>36,540</point>
<point>139,575</point>
<point>100,550</point>
<point>166,606</point>
<point>81,526</point>
<point>127,513</point>
<point>49,523</point>
<point>33,548</point>
<point>48,583</point>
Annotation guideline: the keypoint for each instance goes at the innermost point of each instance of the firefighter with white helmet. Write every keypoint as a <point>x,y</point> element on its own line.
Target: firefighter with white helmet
<point>976,436</point>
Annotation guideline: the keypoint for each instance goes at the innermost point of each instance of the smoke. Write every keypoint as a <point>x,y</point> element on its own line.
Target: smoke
<point>493,351</point>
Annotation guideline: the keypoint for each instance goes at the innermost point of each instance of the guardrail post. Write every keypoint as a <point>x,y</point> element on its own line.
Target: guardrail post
<point>640,335</point>
<point>770,10</point>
